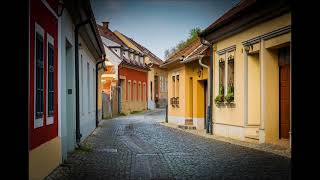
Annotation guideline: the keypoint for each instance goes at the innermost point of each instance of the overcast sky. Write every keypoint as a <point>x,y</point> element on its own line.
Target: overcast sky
<point>159,24</point>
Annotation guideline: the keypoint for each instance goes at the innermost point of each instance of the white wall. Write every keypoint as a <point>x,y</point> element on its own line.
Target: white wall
<point>87,90</point>
<point>66,33</point>
<point>111,54</point>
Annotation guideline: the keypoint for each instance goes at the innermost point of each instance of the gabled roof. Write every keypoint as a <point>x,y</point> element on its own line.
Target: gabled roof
<point>245,14</point>
<point>107,33</point>
<point>153,58</point>
<point>229,15</point>
<point>185,51</point>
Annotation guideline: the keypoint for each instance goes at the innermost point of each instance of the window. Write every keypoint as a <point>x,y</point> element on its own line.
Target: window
<point>88,86</point>
<point>221,74</point>
<point>230,70</point>
<point>39,57</point>
<point>230,78</point>
<point>50,75</point>
<point>129,90</point>
<point>134,91</point>
<point>139,92</point>
<point>82,89</point>
<point>144,92</point>
<point>177,84</point>
<point>173,86</point>
<point>151,89</point>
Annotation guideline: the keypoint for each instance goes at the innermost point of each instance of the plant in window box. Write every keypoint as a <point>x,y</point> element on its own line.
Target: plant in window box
<point>220,98</point>
<point>230,94</point>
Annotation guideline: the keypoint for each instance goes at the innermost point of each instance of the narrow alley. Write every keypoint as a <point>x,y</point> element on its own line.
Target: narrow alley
<point>138,147</point>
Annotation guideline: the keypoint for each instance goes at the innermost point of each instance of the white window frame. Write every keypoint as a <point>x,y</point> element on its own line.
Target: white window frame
<point>50,40</point>
<point>38,29</point>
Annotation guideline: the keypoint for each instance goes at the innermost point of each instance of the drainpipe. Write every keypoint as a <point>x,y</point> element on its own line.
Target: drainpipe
<point>209,121</point>
<point>97,89</point>
<point>205,66</point>
<point>76,39</point>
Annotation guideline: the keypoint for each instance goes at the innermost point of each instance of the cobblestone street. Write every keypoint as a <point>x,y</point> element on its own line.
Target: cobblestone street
<point>139,147</point>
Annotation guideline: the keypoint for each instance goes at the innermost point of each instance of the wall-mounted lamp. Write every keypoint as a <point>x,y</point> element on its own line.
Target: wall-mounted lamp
<point>60,8</point>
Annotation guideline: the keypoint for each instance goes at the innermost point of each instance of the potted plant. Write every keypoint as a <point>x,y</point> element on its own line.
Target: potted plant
<point>220,98</point>
<point>230,94</point>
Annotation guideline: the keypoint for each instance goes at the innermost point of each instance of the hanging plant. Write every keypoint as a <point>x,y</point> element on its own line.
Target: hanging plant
<point>220,98</point>
<point>230,95</point>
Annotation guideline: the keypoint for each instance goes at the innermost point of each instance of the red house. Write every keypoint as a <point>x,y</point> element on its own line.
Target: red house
<point>44,143</point>
<point>133,81</point>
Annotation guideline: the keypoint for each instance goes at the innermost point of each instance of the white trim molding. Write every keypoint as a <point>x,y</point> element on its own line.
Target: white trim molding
<point>49,8</point>
<point>49,119</point>
<point>38,29</point>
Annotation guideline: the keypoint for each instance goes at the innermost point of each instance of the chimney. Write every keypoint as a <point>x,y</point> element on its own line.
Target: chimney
<point>105,25</point>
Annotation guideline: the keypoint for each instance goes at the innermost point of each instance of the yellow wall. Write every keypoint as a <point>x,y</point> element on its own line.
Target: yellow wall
<point>234,115</point>
<point>191,93</point>
<point>272,94</point>
<point>174,111</point>
<point>44,159</point>
<point>253,89</point>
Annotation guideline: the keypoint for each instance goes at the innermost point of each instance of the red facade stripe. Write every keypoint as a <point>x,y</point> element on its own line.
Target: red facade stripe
<point>40,14</point>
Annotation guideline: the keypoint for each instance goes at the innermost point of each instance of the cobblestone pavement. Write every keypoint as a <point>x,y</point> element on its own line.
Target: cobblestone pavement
<point>138,147</point>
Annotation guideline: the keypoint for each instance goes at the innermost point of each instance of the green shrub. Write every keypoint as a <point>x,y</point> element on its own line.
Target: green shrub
<point>220,98</point>
<point>230,95</point>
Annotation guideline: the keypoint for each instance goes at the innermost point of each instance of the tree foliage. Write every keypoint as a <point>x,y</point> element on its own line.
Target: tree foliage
<point>193,34</point>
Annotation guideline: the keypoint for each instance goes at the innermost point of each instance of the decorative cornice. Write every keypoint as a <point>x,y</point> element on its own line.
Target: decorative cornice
<point>228,49</point>
<point>267,36</point>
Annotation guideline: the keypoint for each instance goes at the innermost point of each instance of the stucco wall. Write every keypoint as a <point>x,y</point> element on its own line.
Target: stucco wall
<point>87,91</point>
<point>177,111</point>
<point>129,105</point>
<point>253,89</point>
<point>44,159</point>
<point>234,115</point>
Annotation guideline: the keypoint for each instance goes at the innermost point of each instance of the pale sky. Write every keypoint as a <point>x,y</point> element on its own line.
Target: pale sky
<point>159,24</point>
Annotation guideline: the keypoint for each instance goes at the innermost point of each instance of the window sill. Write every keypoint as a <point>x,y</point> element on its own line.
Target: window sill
<point>49,120</point>
<point>226,104</point>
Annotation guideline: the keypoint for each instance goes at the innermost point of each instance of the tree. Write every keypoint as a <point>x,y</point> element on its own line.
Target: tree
<point>193,35</point>
<point>166,53</point>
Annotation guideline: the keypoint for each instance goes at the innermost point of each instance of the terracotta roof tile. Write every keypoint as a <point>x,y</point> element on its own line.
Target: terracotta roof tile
<point>185,51</point>
<point>107,33</point>
<point>230,14</point>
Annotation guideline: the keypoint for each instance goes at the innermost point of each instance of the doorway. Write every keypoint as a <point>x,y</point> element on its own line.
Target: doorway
<point>284,94</point>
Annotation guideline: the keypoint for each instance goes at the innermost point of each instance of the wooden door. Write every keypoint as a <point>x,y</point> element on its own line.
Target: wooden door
<point>284,67</point>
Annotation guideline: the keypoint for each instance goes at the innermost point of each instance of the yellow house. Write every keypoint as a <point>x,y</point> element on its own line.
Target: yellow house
<point>251,94</point>
<point>157,76</point>
<point>251,52</point>
<point>188,86</point>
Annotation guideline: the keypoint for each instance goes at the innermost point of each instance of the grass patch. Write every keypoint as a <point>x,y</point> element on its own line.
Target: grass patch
<point>83,149</point>
<point>122,114</point>
<point>135,112</point>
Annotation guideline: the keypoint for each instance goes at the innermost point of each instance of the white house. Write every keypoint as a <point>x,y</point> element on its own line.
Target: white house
<point>90,51</point>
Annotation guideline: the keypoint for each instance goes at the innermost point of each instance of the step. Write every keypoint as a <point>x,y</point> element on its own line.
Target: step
<point>187,127</point>
<point>188,122</point>
<point>256,137</point>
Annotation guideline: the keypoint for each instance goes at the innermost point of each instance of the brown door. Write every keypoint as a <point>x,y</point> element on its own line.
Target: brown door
<point>284,67</point>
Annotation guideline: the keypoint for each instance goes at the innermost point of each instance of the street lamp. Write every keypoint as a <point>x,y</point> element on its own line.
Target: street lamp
<point>60,8</point>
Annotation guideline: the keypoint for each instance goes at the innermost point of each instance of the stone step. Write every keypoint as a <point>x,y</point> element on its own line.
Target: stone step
<point>254,137</point>
<point>188,122</point>
<point>187,127</point>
